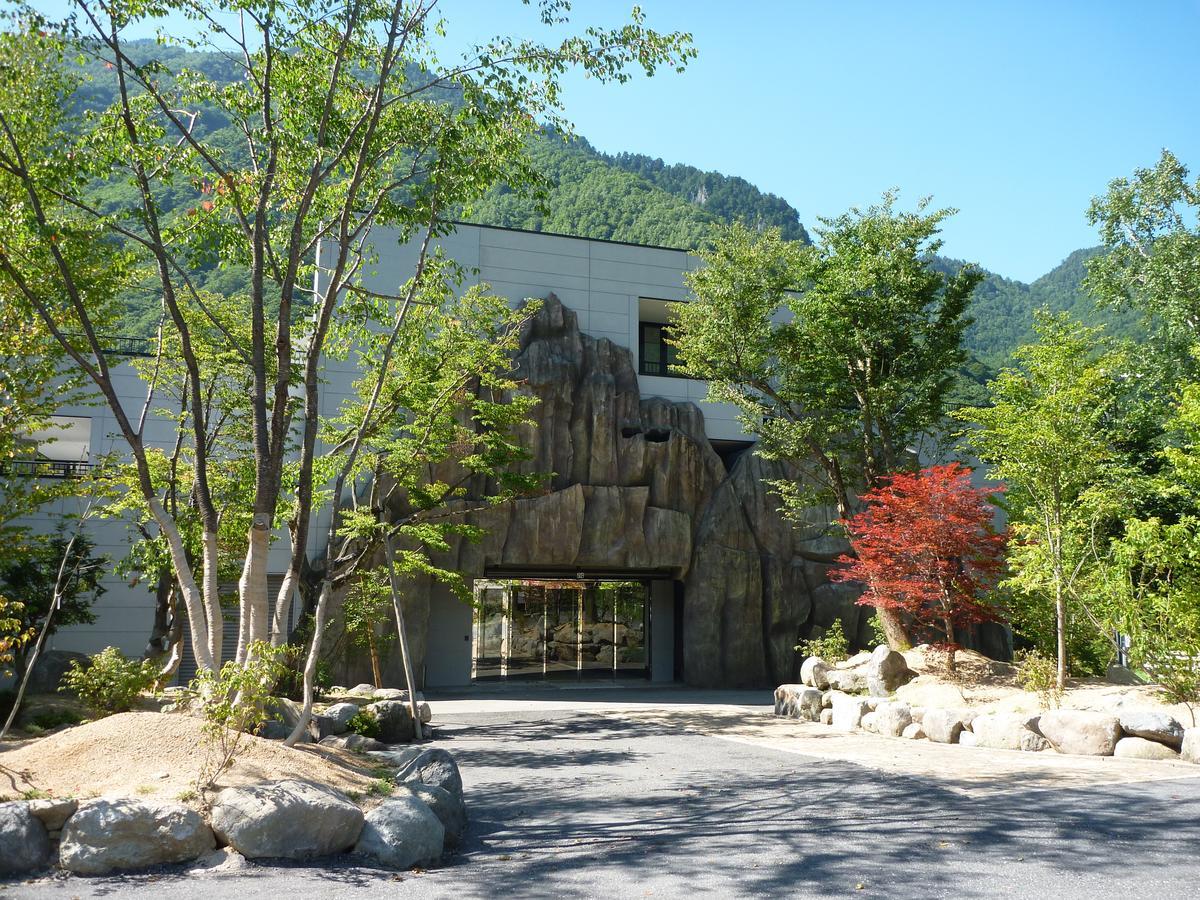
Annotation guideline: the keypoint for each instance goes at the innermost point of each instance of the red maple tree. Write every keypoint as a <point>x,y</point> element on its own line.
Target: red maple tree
<point>925,546</point>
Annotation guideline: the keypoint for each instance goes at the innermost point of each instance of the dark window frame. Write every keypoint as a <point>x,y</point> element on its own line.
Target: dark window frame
<point>665,351</point>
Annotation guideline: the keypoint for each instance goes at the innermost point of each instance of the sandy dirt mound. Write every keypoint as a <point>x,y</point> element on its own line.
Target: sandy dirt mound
<point>158,755</point>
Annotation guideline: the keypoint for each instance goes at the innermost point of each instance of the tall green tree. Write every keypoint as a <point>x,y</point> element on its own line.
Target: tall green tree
<point>1051,434</point>
<point>343,126</point>
<point>839,355</point>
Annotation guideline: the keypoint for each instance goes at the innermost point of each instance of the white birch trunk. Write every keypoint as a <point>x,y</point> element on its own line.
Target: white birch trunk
<point>310,664</point>
<point>212,599</point>
<point>193,601</point>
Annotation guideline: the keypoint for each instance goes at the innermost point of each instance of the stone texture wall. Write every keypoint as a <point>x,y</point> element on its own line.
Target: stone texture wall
<point>638,486</point>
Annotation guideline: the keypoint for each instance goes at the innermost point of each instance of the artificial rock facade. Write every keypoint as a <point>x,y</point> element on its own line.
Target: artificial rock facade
<point>637,487</point>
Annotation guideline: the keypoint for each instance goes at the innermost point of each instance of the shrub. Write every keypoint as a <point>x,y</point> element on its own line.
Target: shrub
<point>1038,672</point>
<point>364,723</point>
<point>234,702</point>
<point>53,718</point>
<point>112,682</point>
<point>831,647</point>
<point>878,632</point>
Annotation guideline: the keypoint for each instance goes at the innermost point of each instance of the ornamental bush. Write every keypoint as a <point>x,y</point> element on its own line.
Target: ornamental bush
<point>112,681</point>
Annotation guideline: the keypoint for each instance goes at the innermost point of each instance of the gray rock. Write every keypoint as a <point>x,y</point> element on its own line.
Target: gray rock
<point>24,845</point>
<point>50,668</point>
<point>814,672</point>
<point>868,722</point>
<point>287,819</point>
<point>53,813</point>
<point>1007,731</point>
<point>943,726</point>
<point>121,835</point>
<point>1190,749</point>
<point>1153,726</point>
<point>827,717</point>
<point>356,742</point>
<point>224,860</point>
<point>285,715</point>
<point>798,702</point>
<point>434,766</point>
<point>450,810</point>
<point>848,711</point>
<point>1141,748</point>
<point>918,713</point>
<point>335,719</point>
<point>1080,732</point>
<point>968,739</point>
<point>886,671</point>
<point>395,721</point>
<point>850,681</point>
<point>827,700</point>
<point>892,718</point>
<point>402,832</point>
<point>914,732</point>
<point>362,690</point>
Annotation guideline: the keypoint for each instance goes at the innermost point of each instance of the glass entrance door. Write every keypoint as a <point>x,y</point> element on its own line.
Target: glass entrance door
<point>538,629</point>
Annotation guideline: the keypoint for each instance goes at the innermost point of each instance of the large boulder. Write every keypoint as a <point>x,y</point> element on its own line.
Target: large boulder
<point>432,766</point>
<point>1141,748</point>
<point>24,845</point>
<point>285,714</point>
<point>913,732</point>
<point>848,711</point>
<point>1007,731</point>
<point>119,835</point>
<point>943,726</point>
<point>335,719</point>
<point>1189,750</point>
<point>402,832</point>
<point>798,702</point>
<point>423,709</point>
<point>287,819</point>
<point>450,810</point>
<point>1080,732</point>
<point>814,672</point>
<point>356,742</point>
<point>892,718</point>
<point>850,681</point>
<point>886,671</point>
<point>1153,726</point>
<point>395,721</point>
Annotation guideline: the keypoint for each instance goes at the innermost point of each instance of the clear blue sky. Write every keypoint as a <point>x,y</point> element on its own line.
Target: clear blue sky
<point>1016,113</point>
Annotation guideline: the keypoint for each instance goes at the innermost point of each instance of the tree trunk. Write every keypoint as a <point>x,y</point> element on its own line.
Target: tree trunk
<point>212,598</point>
<point>1060,610</point>
<point>373,650</point>
<point>895,629</point>
<point>951,667</point>
<point>403,634</point>
<point>253,588</point>
<point>193,602</point>
<point>310,663</point>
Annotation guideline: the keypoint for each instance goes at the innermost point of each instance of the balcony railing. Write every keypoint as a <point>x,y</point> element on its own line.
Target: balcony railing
<point>46,468</point>
<point>119,344</point>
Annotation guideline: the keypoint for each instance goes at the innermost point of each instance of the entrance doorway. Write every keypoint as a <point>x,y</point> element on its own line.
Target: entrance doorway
<point>540,629</point>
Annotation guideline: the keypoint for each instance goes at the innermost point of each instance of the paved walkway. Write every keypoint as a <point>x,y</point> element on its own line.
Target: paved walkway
<point>674,793</point>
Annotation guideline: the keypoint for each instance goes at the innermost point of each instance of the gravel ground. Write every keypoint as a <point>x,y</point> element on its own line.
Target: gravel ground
<point>571,803</point>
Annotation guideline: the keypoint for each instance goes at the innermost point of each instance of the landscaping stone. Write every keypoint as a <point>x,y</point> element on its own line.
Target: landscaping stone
<point>123,834</point>
<point>24,844</point>
<point>892,718</point>
<point>850,681</point>
<point>798,702</point>
<point>219,862</point>
<point>848,711</point>
<point>968,738</point>
<point>827,700</point>
<point>432,766</point>
<point>356,742</point>
<point>402,832</point>
<point>1141,748</point>
<point>886,671</point>
<point>1080,732</point>
<point>395,721</point>
<point>53,813</point>
<point>362,690</point>
<point>423,709</point>
<point>286,714</point>
<point>814,672</point>
<point>914,732</point>
<point>1007,731</point>
<point>867,723</point>
<point>450,810</point>
<point>918,713</point>
<point>827,717</point>
<point>1153,726</point>
<point>943,726</point>
<point>1190,749</point>
<point>288,819</point>
<point>335,719</point>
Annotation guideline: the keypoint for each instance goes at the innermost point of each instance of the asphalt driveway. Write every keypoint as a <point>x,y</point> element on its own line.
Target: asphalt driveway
<point>574,799</point>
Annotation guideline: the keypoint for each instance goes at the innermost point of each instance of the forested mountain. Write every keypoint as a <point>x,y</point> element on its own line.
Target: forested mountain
<point>626,197</point>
